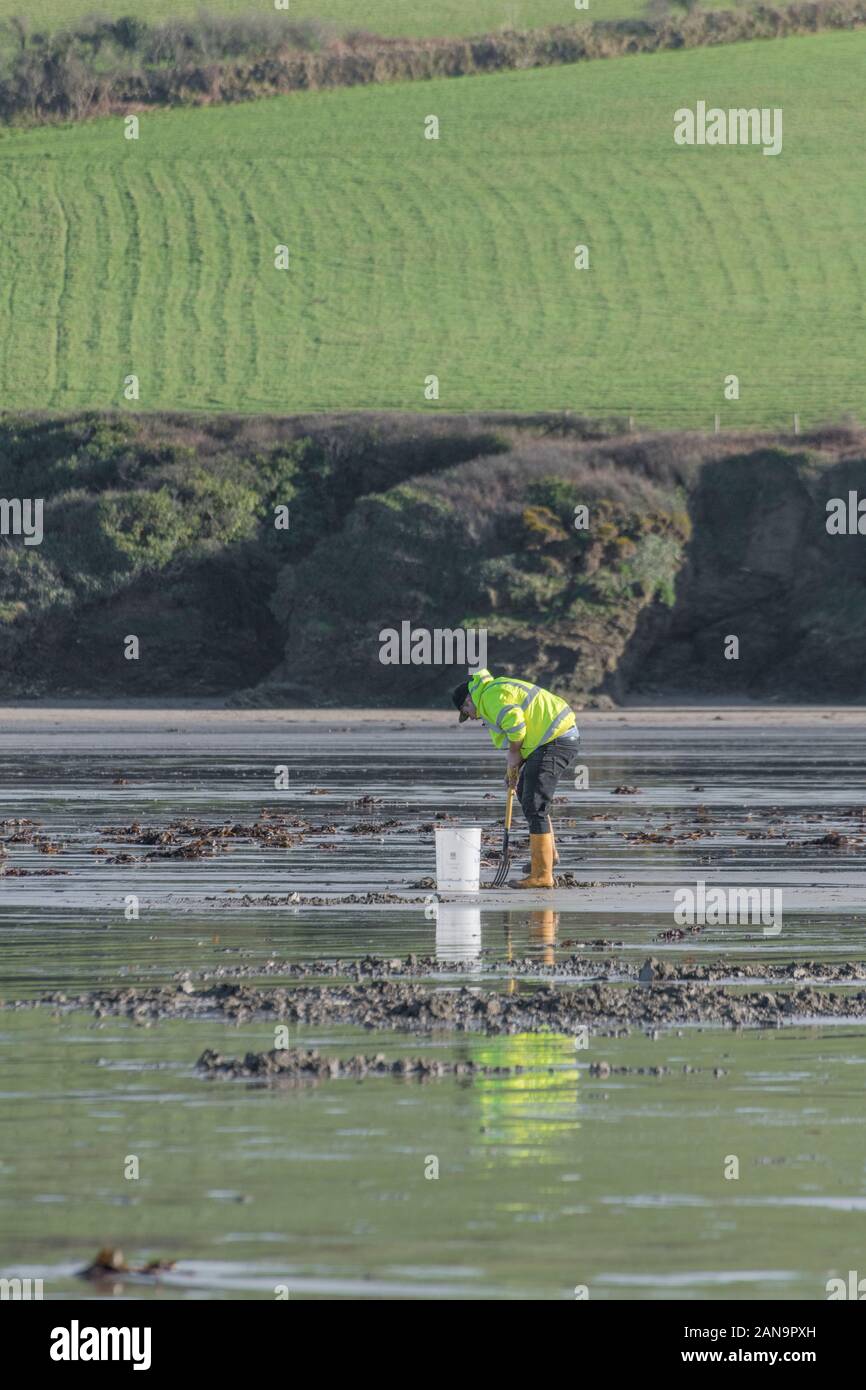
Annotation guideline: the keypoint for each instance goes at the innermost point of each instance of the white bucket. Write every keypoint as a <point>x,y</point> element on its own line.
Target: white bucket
<point>458,859</point>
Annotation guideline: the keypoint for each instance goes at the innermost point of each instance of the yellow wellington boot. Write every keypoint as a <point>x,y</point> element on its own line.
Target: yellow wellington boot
<point>528,867</point>
<point>541,873</point>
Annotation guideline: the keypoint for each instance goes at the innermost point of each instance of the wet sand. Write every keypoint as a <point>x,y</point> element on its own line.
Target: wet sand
<point>201,717</point>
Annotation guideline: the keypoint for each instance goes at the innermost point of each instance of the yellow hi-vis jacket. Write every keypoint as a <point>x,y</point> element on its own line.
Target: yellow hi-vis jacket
<point>513,710</point>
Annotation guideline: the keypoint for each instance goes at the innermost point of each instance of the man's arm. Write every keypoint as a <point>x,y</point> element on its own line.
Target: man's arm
<point>515,759</point>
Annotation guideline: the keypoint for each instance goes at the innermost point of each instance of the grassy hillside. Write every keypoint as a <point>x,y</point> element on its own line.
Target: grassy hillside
<point>411,257</point>
<point>163,528</point>
<point>393,17</point>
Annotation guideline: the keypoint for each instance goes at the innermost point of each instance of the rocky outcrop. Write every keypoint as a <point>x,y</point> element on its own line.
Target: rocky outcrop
<point>346,560</point>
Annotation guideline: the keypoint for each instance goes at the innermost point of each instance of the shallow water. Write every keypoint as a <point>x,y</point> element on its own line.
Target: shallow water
<point>547,1180</point>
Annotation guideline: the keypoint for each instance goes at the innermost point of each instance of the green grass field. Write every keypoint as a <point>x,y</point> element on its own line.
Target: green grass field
<point>412,257</point>
<point>402,17</point>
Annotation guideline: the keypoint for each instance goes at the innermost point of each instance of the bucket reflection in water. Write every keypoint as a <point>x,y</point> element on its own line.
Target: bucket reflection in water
<point>458,932</point>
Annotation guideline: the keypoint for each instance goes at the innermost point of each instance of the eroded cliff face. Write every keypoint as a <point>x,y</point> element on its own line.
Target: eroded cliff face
<point>604,565</point>
<point>690,543</point>
<point>763,567</point>
<point>543,555</point>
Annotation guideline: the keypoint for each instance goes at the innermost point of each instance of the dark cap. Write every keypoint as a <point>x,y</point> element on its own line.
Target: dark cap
<point>458,695</point>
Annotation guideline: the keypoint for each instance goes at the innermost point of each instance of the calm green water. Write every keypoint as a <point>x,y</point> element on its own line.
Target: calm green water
<point>547,1181</point>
